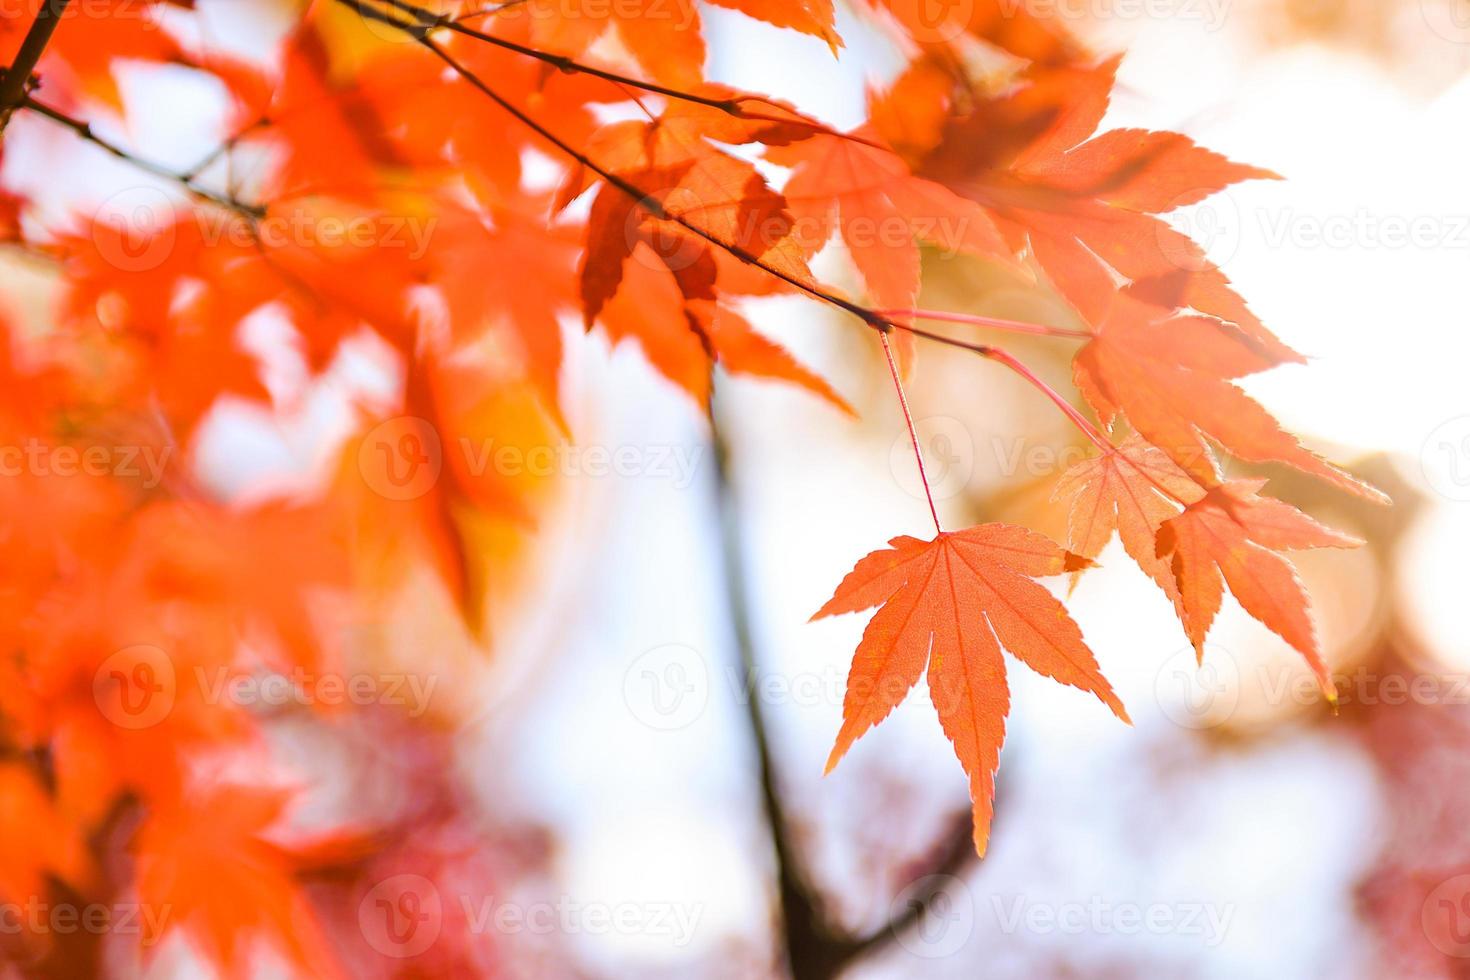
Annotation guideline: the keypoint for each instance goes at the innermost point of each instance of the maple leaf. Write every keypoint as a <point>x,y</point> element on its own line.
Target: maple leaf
<point>1131,490</point>
<point>813,17</point>
<point>1170,376</point>
<point>10,207</point>
<point>327,135</point>
<point>79,60</point>
<point>1231,536</point>
<point>512,305</point>
<point>881,211</point>
<point>1086,209</point>
<point>692,196</point>
<point>662,35</point>
<point>211,862</point>
<point>37,839</point>
<point>946,603</point>
<point>446,127</point>
<point>1009,26</point>
<point>684,332</point>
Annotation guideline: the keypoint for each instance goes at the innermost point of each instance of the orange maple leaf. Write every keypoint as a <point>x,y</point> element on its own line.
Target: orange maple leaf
<point>1132,490</point>
<point>1231,536</point>
<point>209,868</point>
<point>1084,208</point>
<point>945,603</point>
<point>1170,375</point>
<point>866,193</point>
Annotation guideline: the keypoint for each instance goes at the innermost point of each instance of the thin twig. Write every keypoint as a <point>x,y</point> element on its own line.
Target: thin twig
<point>426,20</point>
<point>253,212</point>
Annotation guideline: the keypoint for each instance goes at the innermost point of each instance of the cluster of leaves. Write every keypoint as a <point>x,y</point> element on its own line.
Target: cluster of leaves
<point>658,226</point>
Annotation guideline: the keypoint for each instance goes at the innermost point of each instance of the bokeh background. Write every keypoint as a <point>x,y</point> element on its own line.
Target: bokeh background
<point>605,748</point>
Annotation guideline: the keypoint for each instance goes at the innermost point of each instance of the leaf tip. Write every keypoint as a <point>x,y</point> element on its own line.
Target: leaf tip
<point>1073,562</point>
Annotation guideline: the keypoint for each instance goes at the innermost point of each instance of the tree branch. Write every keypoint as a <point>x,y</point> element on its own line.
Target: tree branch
<point>15,82</point>
<point>801,921</point>
<point>815,950</point>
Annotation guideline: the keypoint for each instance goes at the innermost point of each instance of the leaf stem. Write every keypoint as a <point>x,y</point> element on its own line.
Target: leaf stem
<point>908,419</point>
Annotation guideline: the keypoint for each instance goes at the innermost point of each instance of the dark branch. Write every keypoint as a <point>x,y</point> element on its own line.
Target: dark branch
<point>806,939</point>
<point>815,950</point>
<point>16,82</point>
